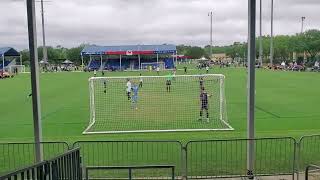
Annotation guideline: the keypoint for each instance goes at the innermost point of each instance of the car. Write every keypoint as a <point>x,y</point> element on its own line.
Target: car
<point>4,74</point>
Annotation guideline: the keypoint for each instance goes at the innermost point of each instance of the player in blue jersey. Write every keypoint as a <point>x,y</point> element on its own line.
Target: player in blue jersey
<point>204,103</point>
<point>134,98</point>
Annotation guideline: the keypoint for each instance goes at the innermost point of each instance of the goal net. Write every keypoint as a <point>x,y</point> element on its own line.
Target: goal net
<point>153,65</point>
<point>157,104</point>
<point>17,69</point>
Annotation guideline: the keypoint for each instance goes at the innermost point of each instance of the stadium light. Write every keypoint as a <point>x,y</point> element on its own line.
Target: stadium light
<point>251,87</point>
<point>34,67</point>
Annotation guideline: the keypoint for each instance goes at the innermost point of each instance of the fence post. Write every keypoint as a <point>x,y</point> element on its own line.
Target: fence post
<point>184,162</point>
<point>130,173</point>
<point>297,159</point>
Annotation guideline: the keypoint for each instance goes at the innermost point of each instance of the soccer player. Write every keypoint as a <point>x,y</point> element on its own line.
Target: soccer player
<point>128,89</point>
<point>204,104</point>
<point>201,82</point>
<point>168,82</point>
<point>105,86</point>
<point>94,73</point>
<point>158,69</point>
<point>185,69</point>
<point>134,98</point>
<point>140,81</point>
<point>207,69</point>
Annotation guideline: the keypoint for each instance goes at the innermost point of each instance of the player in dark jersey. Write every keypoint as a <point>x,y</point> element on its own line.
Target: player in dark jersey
<point>168,82</point>
<point>204,104</point>
<point>105,86</point>
<point>201,82</point>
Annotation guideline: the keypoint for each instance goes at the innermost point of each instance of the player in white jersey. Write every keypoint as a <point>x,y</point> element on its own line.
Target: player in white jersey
<point>128,89</point>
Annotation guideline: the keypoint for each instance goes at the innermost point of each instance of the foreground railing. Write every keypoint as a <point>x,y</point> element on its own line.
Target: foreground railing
<point>315,172</point>
<point>18,155</point>
<point>227,158</point>
<point>194,160</point>
<point>65,166</point>
<point>132,172</point>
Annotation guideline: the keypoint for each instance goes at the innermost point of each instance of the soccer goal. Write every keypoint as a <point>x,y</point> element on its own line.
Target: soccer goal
<point>17,69</point>
<point>153,65</point>
<point>157,104</point>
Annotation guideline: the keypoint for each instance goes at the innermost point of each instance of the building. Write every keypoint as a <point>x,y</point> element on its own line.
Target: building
<point>130,57</point>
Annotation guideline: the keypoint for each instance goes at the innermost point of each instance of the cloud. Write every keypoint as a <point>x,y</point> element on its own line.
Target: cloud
<point>115,22</point>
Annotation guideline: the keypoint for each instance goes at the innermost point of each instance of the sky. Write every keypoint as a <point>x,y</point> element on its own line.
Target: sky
<point>121,22</point>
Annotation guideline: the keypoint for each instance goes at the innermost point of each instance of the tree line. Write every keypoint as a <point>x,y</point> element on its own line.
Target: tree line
<point>305,44</point>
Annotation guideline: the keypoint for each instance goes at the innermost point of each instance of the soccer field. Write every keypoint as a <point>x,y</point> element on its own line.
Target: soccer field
<point>286,105</point>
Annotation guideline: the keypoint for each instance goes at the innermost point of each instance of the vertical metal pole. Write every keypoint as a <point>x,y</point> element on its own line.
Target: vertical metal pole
<point>44,48</point>
<point>271,37</point>
<point>251,86</point>
<point>157,58</point>
<point>302,23</point>
<point>34,65</point>
<point>20,59</point>
<point>120,63</point>
<point>2,62</point>
<point>130,174</point>
<point>82,63</point>
<point>101,62</point>
<point>139,62</point>
<point>210,35</point>
<point>260,38</point>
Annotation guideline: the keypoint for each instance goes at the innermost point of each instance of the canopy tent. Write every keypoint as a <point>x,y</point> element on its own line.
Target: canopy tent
<point>129,50</point>
<point>67,61</point>
<point>43,62</point>
<point>7,51</point>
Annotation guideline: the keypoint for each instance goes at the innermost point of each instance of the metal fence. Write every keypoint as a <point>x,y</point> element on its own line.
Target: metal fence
<point>65,166</point>
<point>228,158</point>
<point>17,155</point>
<point>133,172</point>
<point>131,153</point>
<point>308,151</point>
<point>195,159</point>
<point>312,172</point>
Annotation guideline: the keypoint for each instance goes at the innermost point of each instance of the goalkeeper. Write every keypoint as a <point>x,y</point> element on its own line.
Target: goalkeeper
<point>204,103</point>
<point>168,82</point>
<point>134,98</point>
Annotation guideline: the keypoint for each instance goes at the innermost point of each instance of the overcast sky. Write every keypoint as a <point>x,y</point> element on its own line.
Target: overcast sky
<point>116,22</point>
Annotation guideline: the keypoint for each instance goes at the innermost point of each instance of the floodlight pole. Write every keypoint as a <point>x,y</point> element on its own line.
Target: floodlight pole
<point>271,37</point>
<point>2,63</point>
<point>120,63</point>
<point>251,87</point>
<point>44,48</point>
<point>302,23</point>
<point>101,62</point>
<point>82,62</point>
<point>34,65</point>
<point>260,38</point>
<point>210,14</point>
<point>20,59</point>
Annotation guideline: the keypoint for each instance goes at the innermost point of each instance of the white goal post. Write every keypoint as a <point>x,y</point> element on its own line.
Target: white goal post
<point>18,68</point>
<point>153,65</point>
<point>157,104</point>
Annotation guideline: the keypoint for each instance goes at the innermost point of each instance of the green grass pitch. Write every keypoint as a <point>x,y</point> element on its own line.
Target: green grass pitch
<point>286,105</point>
